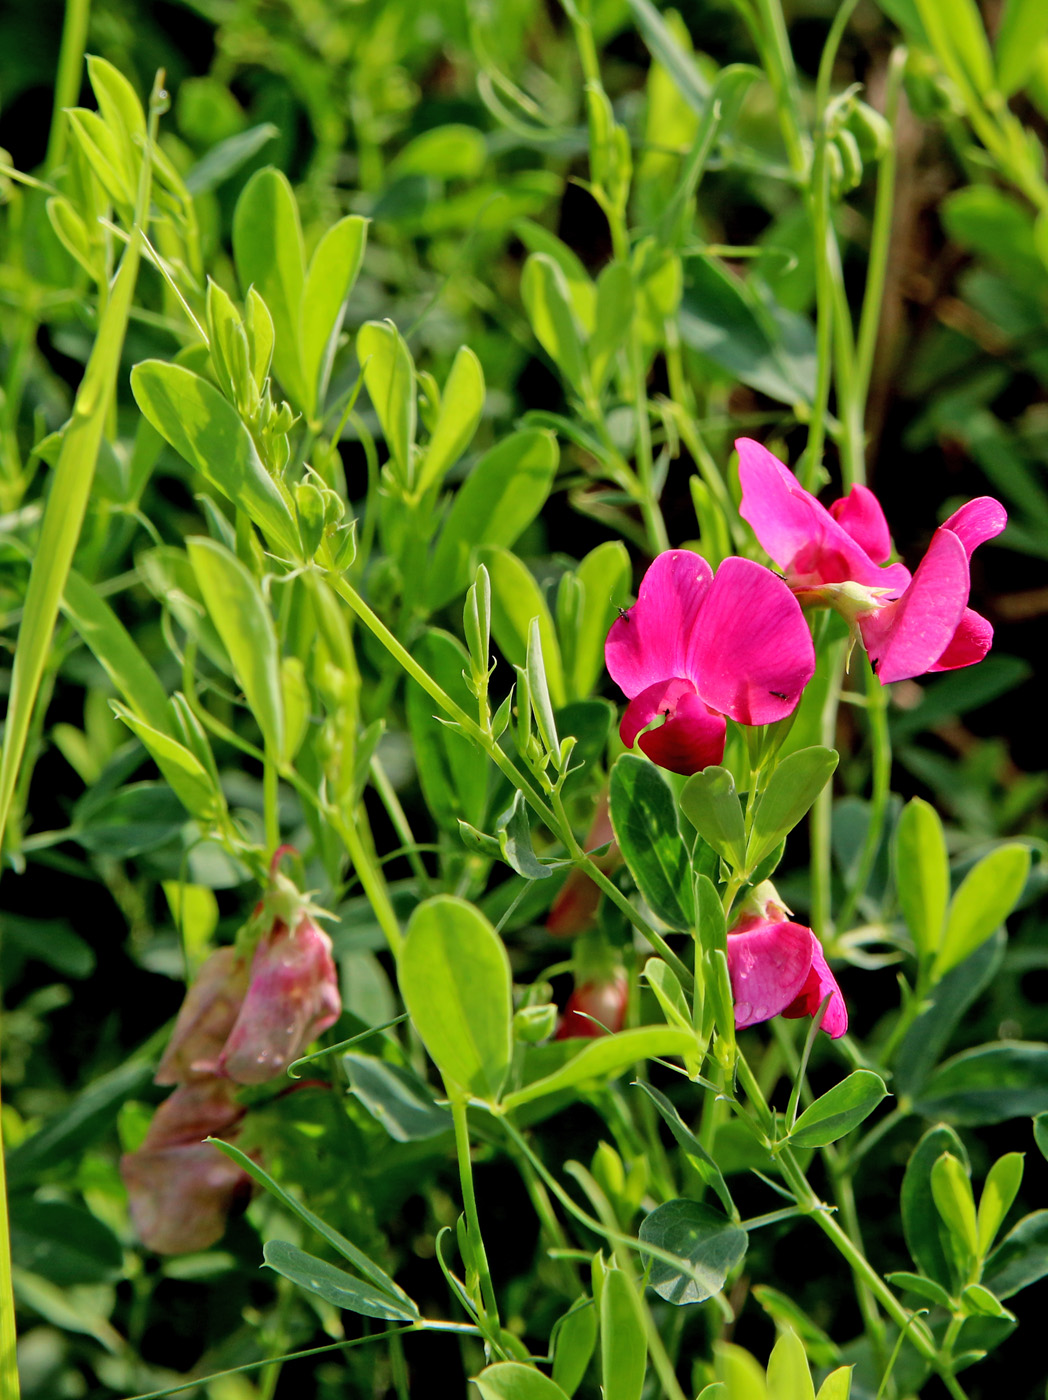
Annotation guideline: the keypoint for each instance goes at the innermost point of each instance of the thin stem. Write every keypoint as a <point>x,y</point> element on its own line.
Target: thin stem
<point>881,760</point>
<point>271,801</point>
<point>401,825</point>
<point>880,237</point>
<point>778,61</point>
<point>469,1205</point>
<point>371,878</point>
<point>820,822</point>
<point>67,80</point>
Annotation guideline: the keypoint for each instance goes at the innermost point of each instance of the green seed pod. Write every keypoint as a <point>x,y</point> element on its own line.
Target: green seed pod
<point>534,1023</point>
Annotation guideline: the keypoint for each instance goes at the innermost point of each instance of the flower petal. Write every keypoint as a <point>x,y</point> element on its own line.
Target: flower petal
<point>769,965</point>
<point>820,982</point>
<point>180,1196</point>
<point>649,643</point>
<point>907,637</point>
<point>205,1019</point>
<point>692,736</point>
<point>800,534</point>
<point>859,512</point>
<point>971,642</point>
<point>752,652</point>
<point>977,521</point>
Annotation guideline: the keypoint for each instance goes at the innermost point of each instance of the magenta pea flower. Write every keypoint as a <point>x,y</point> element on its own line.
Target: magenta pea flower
<point>292,997</point>
<point>695,648</point>
<point>836,558</point>
<point>778,968</point>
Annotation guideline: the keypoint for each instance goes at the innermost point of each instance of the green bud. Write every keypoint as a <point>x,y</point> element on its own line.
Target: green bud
<point>534,1023</point>
<point>309,508</point>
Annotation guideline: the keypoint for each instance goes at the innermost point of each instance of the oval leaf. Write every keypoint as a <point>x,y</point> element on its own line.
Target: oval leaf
<point>987,895</point>
<point>844,1107</point>
<point>607,1057</point>
<point>333,1284</point>
<point>455,980</point>
<point>709,1244</point>
<point>791,790</point>
<point>644,819</point>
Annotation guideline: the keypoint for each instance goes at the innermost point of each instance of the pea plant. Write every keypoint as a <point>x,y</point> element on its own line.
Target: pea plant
<point>521,904</point>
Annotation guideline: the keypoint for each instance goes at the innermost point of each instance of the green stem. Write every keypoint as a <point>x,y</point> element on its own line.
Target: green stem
<point>881,759</point>
<point>778,61</point>
<point>401,825</point>
<point>271,802</point>
<point>880,237</point>
<point>370,876</point>
<point>821,819</point>
<point>469,1205</point>
<point>67,79</point>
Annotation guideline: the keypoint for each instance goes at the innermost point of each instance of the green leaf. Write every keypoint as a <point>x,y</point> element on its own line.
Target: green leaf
<point>396,1098</point>
<point>332,273</point>
<point>844,1107</point>
<point>270,256</point>
<point>709,1243</point>
<point>66,1135</point>
<point>67,498</point>
<point>791,790</point>
<point>112,645</point>
<point>950,998</point>
<point>64,1243</point>
<point>741,1375</point>
<point>461,405</point>
<point>498,500</point>
<point>605,1058</point>
<point>605,578</point>
<point>573,1342</point>
<point>207,431</point>
<point>952,1194</point>
<point>924,1287</point>
<point>581,290</point>
<point>1023,27</point>
<point>644,819</point>
<point>333,1284</point>
<point>999,1191</point>
<point>989,1084</point>
<point>225,159</point>
<point>696,1154</point>
<point>711,804</point>
<point>613,322</point>
<point>920,1219</point>
<point>182,770</point>
<point>346,1248</point>
<point>139,817</point>
<point>538,686</point>
<point>665,983</point>
<point>1040,1133</point>
<point>513,1380</point>
<point>678,63</point>
<point>623,1351</point>
<point>455,980</point>
<point>922,874</point>
<point>773,351</point>
<point>956,31</point>
<point>1021,1258</point>
<point>515,599</point>
<point>453,151</point>
<point>987,895</point>
<point>243,621</point>
<point>544,291</point>
<point>788,1375</point>
<point>513,834</point>
<point>837,1385</point>
<point>389,375</point>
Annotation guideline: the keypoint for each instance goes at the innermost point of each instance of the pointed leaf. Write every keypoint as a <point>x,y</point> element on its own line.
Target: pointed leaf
<point>461,405</point>
<point>790,792</point>
<point>987,895</point>
<point>644,819</point>
<point>840,1110</point>
<point>270,256</point>
<point>332,1284</point>
<point>329,282</point>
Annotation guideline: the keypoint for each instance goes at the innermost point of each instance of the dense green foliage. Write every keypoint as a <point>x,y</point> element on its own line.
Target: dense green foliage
<point>353,368</point>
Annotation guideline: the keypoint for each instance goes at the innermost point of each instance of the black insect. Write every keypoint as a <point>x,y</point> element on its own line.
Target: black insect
<point>624,614</point>
<point>778,694</point>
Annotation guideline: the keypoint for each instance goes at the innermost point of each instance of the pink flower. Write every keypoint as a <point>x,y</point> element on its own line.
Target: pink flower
<point>836,557</point>
<point>291,998</point>
<point>694,649</point>
<point>605,1000</point>
<point>206,1018</point>
<point>180,1187</point>
<point>778,969</point>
